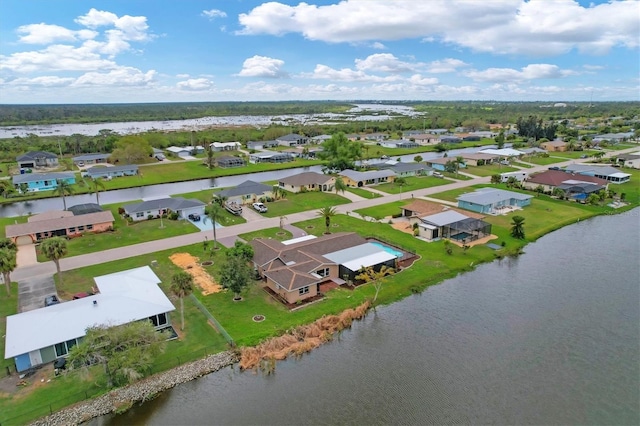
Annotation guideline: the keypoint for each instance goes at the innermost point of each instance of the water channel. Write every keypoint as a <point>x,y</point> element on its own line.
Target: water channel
<point>552,337</point>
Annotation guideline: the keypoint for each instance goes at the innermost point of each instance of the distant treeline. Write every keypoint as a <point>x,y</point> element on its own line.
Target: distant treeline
<point>450,112</point>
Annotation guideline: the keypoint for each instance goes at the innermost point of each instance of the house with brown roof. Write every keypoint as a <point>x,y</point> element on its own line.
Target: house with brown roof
<point>551,179</point>
<point>308,181</point>
<point>59,224</point>
<point>478,159</point>
<point>554,146</point>
<point>294,270</point>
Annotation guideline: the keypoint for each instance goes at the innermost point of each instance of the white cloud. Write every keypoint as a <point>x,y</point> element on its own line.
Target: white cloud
<point>263,66</point>
<point>183,75</point>
<point>195,84</point>
<point>530,72</point>
<point>384,62</point>
<point>378,45</point>
<point>418,80</point>
<point>213,13</point>
<point>446,66</point>
<point>497,26</point>
<point>56,57</point>
<point>46,34</point>
<point>46,81</point>
<point>122,76</point>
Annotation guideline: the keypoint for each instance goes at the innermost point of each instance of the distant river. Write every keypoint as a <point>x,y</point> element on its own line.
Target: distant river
<point>552,337</point>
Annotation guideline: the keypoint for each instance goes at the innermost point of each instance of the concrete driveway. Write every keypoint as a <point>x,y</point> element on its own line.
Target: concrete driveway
<point>32,291</point>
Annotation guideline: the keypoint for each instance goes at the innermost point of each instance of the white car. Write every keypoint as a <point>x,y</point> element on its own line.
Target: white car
<point>260,207</point>
<point>438,175</point>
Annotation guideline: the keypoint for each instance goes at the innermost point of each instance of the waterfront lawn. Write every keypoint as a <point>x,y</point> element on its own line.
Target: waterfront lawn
<point>303,201</point>
<point>8,306</point>
<point>489,169</point>
<point>363,192</point>
<point>225,218</point>
<point>4,221</point>
<point>385,210</point>
<point>413,183</point>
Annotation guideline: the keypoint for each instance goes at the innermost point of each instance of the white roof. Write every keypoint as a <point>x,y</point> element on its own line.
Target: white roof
<point>504,152</point>
<point>124,297</point>
<point>225,144</point>
<point>299,239</point>
<point>445,218</point>
<point>363,255</point>
<point>177,149</point>
<point>620,175</point>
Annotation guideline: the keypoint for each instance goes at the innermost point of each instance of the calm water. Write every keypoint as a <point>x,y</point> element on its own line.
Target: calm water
<point>549,338</point>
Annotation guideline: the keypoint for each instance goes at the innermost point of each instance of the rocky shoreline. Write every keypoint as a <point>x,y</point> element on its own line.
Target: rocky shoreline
<point>140,391</point>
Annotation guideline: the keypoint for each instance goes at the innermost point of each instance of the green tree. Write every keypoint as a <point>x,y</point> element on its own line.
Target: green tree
<point>8,259</point>
<point>213,211</point>
<point>95,186</point>
<point>235,275</point>
<point>279,192</point>
<point>126,352</point>
<point>340,186</point>
<point>181,287</point>
<point>340,153</point>
<point>6,188</point>
<point>63,189</point>
<point>418,158</point>
<point>496,179</point>
<point>327,213</point>
<point>376,277</point>
<point>131,150</point>
<point>517,227</point>
<point>54,249</point>
<point>210,159</point>
<point>242,250</point>
<point>500,140</point>
<point>401,182</point>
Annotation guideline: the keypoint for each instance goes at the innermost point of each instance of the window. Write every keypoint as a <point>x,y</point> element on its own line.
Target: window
<point>72,229</point>
<point>89,227</point>
<point>63,348</point>
<point>81,228</point>
<point>323,272</point>
<point>140,214</point>
<point>159,320</point>
<point>303,290</point>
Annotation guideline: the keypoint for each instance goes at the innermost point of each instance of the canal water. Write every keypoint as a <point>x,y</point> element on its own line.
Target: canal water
<point>551,337</point>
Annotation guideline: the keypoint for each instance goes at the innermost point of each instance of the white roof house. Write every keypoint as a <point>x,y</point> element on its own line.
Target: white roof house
<point>363,255</point>
<point>124,297</point>
<point>504,152</point>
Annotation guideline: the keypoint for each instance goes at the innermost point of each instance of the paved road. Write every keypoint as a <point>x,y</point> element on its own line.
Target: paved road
<point>252,225</point>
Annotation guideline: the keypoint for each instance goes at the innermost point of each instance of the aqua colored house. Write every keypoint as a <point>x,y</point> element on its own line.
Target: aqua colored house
<point>493,201</point>
<point>37,182</point>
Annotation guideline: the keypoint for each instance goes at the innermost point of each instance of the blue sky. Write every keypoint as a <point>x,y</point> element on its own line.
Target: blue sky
<point>78,51</point>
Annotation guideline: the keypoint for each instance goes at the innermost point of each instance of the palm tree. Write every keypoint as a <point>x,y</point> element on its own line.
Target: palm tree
<point>181,286</point>
<point>6,188</point>
<point>517,227</point>
<point>8,263</point>
<point>340,186</point>
<point>63,189</point>
<point>327,213</point>
<point>459,162</point>
<point>279,192</point>
<point>95,185</point>
<point>54,248</point>
<point>213,213</point>
<point>210,158</point>
<point>400,182</point>
<point>220,199</point>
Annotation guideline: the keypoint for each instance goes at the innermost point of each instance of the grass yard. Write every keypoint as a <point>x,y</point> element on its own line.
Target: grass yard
<point>273,233</point>
<point>413,183</point>
<point>522,165</point>
<point>302,201</point>
<point>385,210</point>
<point>363,192</point>
<point>8,306</point>
<point>4,221</point>
<point>489,169</point>
<point>543,161</point>
<point>573,154</point>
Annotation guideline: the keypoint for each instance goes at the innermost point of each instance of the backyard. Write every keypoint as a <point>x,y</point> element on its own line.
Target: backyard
<point>489,169</point>
<point>303,201</point>
<point>412,183</point>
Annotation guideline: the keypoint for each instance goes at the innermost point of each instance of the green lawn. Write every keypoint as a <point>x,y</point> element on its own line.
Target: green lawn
<point>302,201</point>
<point>8,306</point>
<point>573,154</point>
<point>4,221</point>
<point>385,210</point>
<point>363,192</point>
<point>543,161</point>
<point>523,165</point>
<point>413,183</point>
<point>274,233</point>
<point>489,169</point>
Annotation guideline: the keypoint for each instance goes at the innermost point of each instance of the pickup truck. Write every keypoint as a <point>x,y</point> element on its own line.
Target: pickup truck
<point>233,208</point>
<point>260,207</point>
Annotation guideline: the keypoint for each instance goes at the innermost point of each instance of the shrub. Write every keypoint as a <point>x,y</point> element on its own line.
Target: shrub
<point>150,217</point>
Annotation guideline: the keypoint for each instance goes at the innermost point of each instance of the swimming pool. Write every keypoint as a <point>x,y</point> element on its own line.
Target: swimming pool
<point>388,249</point>
<point>461,236</point>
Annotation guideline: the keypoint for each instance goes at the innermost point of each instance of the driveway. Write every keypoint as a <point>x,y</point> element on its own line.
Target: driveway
<point>250,214</point>
<point>32,291</point>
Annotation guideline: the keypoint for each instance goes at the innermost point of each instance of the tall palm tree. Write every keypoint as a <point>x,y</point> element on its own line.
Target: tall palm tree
<point>220,199</point>
<point>95,185</point>
<point>340,186</point>
<point>63,189</point>
<point>54,248</point>
<point>279,192</point>
<point>8,259</point>
<point>181,286</point>
<point>517,227</point>
<point>401,182</point>
<point>213,213</point>
<point>327,213</point>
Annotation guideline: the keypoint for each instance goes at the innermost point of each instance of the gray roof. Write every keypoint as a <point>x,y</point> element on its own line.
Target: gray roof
<point>486,196</point>
<point>403,167</point>
<point>306,178</point>
<point>34,155</point>
<point>586,168</point>
<point>35,177</point>
<point>291,137</point>
<point>58,223</point>
<point>175,204</point>
<point>91,157</point>
<point>80,209</point>
<point>372,174</point>
<point>269,154</point>
<point>248,187</point>
<point>444,218</point>
<point>107,170</point>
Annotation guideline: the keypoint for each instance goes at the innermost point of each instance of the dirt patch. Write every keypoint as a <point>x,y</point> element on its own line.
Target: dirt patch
<point>191,264</point>
<point>403,226</point>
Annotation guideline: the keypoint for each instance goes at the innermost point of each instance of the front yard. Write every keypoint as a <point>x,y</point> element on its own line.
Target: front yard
<point>413,183</point>
<point>489,169</point>
<point>302,201</point>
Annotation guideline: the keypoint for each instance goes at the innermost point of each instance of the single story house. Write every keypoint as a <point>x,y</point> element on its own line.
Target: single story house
<point>158,154</point>
<point>247,191</point>
<point>520,176</point>
<point>43,335</point>
<point>308,181</point>
<point>441,163</point>
<point>270,157</point>
<point>471,138</point>
<point>43,181</point>
<point>503,153</point>
<point>607,173</point>
<point>35,159</point>
<point>258,145</point>
<point>358,179</point>
<point>378,137</point>
<point>320,138</point>
<point>292,139</point>
<point>579,190</point>
<point>551,179</point>
<point>295,269</point>
<point>59,224</point>
<point>423,138</point>
<point>450,139</point>
<point>437,131</point>
<point>492,200</point>
<point>406,169</point>
<point>452,225</point>
<point>486,134</point>
<point>225,146</point>
<point>399,144</point>
<point>478,159</point>
<point>227,162</point>
<point>96,158</point>
<point>630,160</point>
<point>110,172</point>
<point>614,137</point>
<point>157,207</point>
<point>418,208</point>
<point>554,146</point>
<point>186,151</point>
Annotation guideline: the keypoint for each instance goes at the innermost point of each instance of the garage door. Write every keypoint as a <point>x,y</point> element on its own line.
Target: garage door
<point>24,240</point>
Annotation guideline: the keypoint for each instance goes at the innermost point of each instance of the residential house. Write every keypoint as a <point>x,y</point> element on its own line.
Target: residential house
<point>86,208</point>
<point>270,157</point>
<point>607,173</point>
<point>58,223</point>
<point>399,144</point>
<point>158,154</point>
<point>320,139</point>
<point>423,138</point>
<point>484,134</point>
<point>43,335</point>
<point>373,177</point>
<point>225,146</point>
<point>614,137</point>
<point>378,137</point>
<point>405,169</point>
<point>450,139</point>
<point>493,201</point>
<point>292,139</point>
<point>295,269</point>
<point>308,181</point>
<point>87,159</point>
<point>247,192</point>
<point>630,160</point>
<point>440,164</point>
<point>503,153</point>
<point>478,159</point>
<point>554,146</point>
<point>453,225</point>
<point>37,159</point>
<point>37,182</point>
<point>227,162</point>
<point>551,179</point>
<point>518,176</point>
<point>160,206</point>
<point>186,151</point>
<point>437,131</point>
<point>110,172</point>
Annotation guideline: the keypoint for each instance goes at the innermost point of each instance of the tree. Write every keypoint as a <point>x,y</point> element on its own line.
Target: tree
<point>181,286</point>
<point>242,250</point>
<point>401,182</point>
<point>340,186</point>
<point>210,158</point>
<point>500,140</point>
<point>95,185</point>
<point>496,179</point>
<point>213,211</point>
<point>235,275</point>
<point>517,227</point>
<point>54,248</point>
<point>418,158</point>
<point>327,213</point>
<point>131,150</point>
<point>63,189</point>
<point>126,352</point>
<point>8,259</point>
<point>376,277</point>
<point>278,192</point>
<point>340,153</point>
<point>220,199</point>
<point>6,188</point>
<point>512,182</point>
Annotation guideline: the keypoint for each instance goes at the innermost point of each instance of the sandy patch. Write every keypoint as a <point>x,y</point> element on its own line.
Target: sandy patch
<point>403,226</point>
<point>201,277</point>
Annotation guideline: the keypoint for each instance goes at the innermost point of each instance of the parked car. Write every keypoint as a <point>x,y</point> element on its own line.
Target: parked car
<point>260,207</point>
<point>51,300</point>
<point>438,175</point>
<point>194,217</point>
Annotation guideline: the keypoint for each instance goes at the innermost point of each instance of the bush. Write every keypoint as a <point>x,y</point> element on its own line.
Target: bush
<point>150,217</point>
<point>174,216</point>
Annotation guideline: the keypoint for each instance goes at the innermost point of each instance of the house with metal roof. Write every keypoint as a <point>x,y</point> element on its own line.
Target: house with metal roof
<point>95,158</point>
<point>405,169</point>
<point>37,182</point>
<point>607,173</point>
<point>247,191</point>
<point>292,139</point>
<point>110,172</point>
<point>161,206</point>
<point>270,157</point>
<point>551,179</point>
<point>308,181</point>
<point>43,335</point>
<point>372,177</point>
<point>453,225</point>
<point>227,162</point>
<point>225,146</point>
<point>36,159</point>
<point>631,160</point>
<point>493,201</point>
<point>259,145</point>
